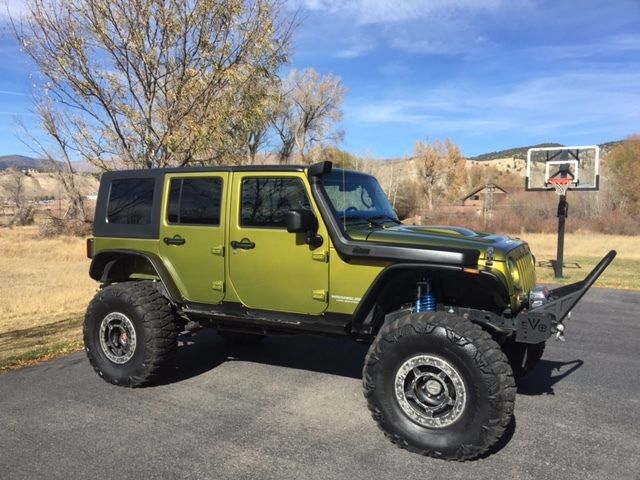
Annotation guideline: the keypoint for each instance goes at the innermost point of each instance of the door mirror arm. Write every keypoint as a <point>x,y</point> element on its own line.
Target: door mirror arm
<point>304,221</point>
<point>313,239</point>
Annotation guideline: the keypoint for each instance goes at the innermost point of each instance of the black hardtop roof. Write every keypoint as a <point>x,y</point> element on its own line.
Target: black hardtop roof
<point>159,172</point>
<point>220,168</point>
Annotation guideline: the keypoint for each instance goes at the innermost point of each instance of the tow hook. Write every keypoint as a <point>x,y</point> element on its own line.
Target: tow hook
<point>559,329</point>
<point>560,332</point>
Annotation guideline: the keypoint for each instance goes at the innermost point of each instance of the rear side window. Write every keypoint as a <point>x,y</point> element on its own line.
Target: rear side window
<point>266,201</point>
<point>130,201</point>
<point>195,201</point>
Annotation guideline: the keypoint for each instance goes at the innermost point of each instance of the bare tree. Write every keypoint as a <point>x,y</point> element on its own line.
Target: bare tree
<point>441,170</point>
<point>63,170</point>
<point>266,103</point>
<point>310,107</point>
<point>13,187</point>
<point>282,123</point>
<point>622,168</point>
<point>153,83</point>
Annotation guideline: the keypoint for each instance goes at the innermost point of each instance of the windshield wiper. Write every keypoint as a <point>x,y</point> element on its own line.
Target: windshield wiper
<point>350,218</point>
<point>372,220</point>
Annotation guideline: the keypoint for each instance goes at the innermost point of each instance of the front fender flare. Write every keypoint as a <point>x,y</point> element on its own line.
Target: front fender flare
<point>489,280</point>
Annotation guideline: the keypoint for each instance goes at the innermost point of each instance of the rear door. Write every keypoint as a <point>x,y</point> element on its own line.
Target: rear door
<point>270,268</point>
<point>192,233</point>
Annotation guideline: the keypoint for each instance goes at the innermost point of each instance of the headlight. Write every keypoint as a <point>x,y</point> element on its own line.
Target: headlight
<point>513,270</point>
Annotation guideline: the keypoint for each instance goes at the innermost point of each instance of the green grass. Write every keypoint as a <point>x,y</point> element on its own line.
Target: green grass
<point>621,273</point>
<point>26,346</point>
<point>40,354</point>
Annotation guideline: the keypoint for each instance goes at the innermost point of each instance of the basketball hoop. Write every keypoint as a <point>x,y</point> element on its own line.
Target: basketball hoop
<point>560,184</point>
<point>562,168</point>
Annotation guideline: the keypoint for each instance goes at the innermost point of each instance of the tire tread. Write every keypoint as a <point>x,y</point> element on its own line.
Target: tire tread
<point>157,318</point>
<point>490,359</point>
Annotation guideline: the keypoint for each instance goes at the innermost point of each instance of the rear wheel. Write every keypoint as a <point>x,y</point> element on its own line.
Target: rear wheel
<point>130,333</point>
<point>439,385</point>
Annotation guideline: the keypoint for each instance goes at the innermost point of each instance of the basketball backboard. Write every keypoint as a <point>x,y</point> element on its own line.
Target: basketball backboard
<point>579,167</point>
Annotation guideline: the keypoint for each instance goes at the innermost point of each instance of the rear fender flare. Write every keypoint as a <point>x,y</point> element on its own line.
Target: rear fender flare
<point>118,265</point>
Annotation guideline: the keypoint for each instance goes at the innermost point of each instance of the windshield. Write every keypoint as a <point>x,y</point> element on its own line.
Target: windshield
<point>357,198</point>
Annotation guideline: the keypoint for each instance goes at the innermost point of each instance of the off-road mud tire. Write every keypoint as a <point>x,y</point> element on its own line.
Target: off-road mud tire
<point>523,357</point>
<point>480,363</point>
<point>155,328</point>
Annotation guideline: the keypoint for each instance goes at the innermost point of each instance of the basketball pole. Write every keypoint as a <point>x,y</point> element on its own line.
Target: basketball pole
<point>563,212</point>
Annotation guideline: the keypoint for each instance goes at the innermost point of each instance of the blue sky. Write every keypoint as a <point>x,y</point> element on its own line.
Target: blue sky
<point>488,74</point>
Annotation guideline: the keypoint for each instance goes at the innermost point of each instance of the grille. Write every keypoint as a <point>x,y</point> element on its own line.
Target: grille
<point>526,268</point>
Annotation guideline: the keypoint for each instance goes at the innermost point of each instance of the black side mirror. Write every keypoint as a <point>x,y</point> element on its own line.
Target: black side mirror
<point>299,221</point>
<point>304,221</point>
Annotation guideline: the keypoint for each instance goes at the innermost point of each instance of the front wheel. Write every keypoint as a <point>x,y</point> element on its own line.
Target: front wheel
<point>439,385</point>
<point>130,333</point>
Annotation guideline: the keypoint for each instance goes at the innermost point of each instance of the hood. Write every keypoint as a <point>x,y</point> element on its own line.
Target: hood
<point>437,236</point>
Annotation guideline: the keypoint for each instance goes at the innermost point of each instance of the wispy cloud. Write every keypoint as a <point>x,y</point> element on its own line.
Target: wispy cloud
<point>18,114</point>
<point>385,11</point>
<point>394,69</point>
<point>357,49</point>
<point>14,93</point>
<point>13,8</point>
<point>606,46</point>
<point>575,101</point>
<point>432,27</point>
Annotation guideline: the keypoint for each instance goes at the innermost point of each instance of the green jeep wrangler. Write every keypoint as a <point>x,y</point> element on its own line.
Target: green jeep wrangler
<point>452,315</point>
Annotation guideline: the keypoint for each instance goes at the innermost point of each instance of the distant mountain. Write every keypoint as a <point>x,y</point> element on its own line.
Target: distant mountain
<point>20,162</point>
<point>517,152</point>
<point>521,152</point>
<point>607,147</point>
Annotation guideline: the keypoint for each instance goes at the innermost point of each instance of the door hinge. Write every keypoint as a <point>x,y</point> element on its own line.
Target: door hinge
<point>218,250</point>
<point>218,286</point>
<point>321,256</point>
<point>319,295</point>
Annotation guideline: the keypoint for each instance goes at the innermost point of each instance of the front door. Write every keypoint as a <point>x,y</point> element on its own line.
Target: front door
<point>192,234</point>
<point>270,268</point>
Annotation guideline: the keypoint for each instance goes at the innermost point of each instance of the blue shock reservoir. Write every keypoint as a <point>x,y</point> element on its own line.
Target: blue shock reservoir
<point>426,301</point>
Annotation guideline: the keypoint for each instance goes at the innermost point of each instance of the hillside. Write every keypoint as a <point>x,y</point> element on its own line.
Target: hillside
<point>21,162</point>
<point>509,160</point>
<point>521,152</point>
<point>44,185</point>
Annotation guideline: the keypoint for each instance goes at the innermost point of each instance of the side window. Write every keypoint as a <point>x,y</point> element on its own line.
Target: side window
<point>195,201</point>
<point>266,201</point>
<point>130,201</point>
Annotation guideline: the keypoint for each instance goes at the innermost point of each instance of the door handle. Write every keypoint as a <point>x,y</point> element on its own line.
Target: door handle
<point>244,244</point>
<point>177,240</point>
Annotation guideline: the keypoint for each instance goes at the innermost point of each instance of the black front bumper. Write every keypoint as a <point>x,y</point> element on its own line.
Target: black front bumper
<point>537,324</point>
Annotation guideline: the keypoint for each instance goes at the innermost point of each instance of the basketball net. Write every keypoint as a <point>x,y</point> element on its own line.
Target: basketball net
<point>560,184</point>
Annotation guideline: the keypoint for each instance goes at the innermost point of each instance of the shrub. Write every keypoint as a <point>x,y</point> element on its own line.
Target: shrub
<point>53,227</point>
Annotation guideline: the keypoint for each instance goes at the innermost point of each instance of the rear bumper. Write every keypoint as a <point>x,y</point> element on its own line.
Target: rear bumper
<point>537,324</point>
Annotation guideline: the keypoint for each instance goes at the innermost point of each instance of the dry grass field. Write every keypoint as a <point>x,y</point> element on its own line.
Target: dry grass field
<point>582,251</point>
<point>44,290</point>
<point>45,286</point>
